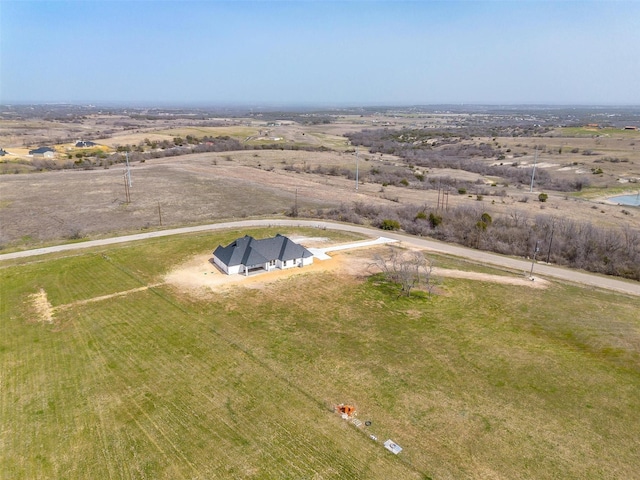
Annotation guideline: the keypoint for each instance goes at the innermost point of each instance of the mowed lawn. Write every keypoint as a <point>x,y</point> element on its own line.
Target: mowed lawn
<point>480,381</point>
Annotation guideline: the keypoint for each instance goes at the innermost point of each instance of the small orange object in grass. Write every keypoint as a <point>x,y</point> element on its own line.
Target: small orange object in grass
<point>343,409</point>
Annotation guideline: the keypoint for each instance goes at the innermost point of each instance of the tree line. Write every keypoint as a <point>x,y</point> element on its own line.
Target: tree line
<point>560,240</point>
<point>433,149</point>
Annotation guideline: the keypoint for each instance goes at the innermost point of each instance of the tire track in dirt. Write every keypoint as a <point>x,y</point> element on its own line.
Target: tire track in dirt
<point>103,297</point>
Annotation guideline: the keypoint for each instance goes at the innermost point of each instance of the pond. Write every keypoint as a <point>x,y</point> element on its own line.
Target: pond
<point>632,200</point>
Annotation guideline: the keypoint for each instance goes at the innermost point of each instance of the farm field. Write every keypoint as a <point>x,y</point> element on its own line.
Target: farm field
<point>108,371</point>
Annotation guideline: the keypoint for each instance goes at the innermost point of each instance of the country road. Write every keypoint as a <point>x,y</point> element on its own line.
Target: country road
<point>609,283</point>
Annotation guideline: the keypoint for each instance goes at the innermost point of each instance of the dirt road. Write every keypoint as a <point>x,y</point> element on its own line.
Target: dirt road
<point>609,283</point>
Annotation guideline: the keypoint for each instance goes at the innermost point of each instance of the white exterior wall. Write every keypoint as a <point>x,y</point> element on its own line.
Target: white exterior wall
<point>240,269</point>
<point>281,265</point>
<point>294,263</point>
<point>219,264</point>
<point>228,270</point>
<point>235,269</point>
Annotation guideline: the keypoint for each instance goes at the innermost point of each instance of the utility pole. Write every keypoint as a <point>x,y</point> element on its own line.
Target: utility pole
<point>533,174</point>
<point>128,170</point>
<point>533,260</point>
<point>553,224</point>
<point>356,169</point>
<point>127,194</point>
<point>127,180</point>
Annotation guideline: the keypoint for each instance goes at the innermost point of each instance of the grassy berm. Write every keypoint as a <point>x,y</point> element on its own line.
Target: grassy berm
<point>479,381</point>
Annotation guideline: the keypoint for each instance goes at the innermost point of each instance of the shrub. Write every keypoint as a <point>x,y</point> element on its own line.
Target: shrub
<point>434,220</point>
<point>462,191</point>
<point>543,197</point>
<point>388,224</point>
<point>486,218</point>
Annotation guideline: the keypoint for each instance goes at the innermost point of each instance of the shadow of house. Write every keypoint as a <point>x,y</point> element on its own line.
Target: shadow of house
<point>246,255</point>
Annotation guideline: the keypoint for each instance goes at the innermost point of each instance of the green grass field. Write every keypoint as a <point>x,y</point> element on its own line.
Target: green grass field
<point>593,131</point>
<point>238,132</point>
<point>480,381</point>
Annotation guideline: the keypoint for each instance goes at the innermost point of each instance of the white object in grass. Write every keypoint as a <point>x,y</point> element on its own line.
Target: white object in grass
<point>392,447</point>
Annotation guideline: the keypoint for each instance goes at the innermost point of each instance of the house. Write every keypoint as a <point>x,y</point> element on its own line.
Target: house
<point>247,254</point>
<point>46,152</point>
<point>85,144</point>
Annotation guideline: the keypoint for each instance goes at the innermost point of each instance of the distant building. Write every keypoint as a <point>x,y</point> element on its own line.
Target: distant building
<point>46,152</point>
<point>247,254</point>
<point>85,144</point>
<point>630,127</point>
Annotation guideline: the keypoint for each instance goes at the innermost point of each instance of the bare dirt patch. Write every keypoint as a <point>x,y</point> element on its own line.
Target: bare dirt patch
<point>536,282</point>
<point>40,307</point>
<point>200,277</point>
<point>103,297</point>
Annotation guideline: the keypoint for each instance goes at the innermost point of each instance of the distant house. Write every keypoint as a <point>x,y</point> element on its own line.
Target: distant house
<point>631,127</point>
<point>247,254</point>
<point>46,152</point>
<point>85,144</point>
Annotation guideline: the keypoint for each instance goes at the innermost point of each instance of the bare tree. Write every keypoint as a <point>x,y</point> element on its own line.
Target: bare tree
<point>406,269</point>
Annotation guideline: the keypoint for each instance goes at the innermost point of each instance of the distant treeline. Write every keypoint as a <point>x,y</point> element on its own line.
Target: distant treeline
<point>163,149</point>
<point>446,149</point>
<point>560,241</point>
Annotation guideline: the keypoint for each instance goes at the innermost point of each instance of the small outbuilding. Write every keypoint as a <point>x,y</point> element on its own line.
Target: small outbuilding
<point>246,255</point>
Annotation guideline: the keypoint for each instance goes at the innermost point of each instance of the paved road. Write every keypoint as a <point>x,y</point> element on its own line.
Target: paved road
<point>609,283</point>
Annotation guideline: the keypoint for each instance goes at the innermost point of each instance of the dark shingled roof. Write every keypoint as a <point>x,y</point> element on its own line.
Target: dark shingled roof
<point>41,150</point>
<point>250,252</point>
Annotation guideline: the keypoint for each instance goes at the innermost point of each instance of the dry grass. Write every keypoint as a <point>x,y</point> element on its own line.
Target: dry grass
<point>205,187</point>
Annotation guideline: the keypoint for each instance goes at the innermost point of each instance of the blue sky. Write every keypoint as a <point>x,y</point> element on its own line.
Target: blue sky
<point>325,53</point>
